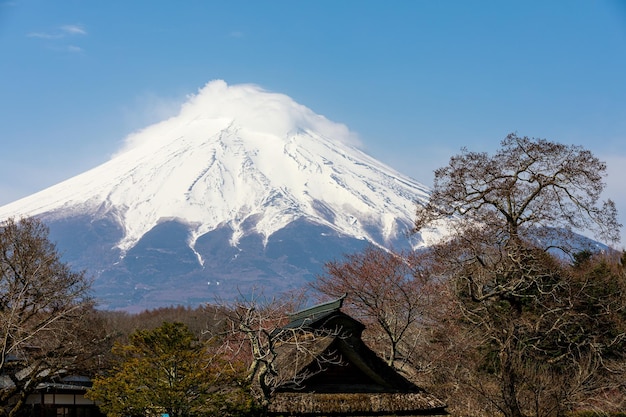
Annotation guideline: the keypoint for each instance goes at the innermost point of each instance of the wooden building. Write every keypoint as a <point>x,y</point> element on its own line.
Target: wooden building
<point>325,369</point>
<point>63,398</point>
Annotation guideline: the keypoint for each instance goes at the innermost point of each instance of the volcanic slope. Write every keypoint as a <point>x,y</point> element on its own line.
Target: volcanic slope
<point>244,189</point>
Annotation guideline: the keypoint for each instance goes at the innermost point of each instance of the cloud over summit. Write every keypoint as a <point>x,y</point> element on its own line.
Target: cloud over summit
<point>251,107</point>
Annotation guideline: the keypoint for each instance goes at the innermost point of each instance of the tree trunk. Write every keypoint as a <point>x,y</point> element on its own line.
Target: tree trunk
<point>509,385</point>
<point>392,353</point>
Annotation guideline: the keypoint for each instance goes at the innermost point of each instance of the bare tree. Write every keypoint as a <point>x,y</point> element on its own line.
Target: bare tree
<point>391,291</point>
<point>529,187</point>
<point>524,305</point>
<point>46,314</point>
<point>256,333</point>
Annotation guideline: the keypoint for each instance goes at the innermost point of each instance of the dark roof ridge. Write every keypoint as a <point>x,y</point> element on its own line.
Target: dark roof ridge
<point>326,307</point>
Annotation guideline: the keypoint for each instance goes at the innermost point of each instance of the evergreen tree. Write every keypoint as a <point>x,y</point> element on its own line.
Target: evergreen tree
<point>168,371</point>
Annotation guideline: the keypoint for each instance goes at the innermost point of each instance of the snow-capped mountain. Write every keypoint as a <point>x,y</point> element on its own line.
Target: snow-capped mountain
<point>243,188</point>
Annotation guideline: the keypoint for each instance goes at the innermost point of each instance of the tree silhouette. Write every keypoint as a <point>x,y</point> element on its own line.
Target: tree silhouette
<point>47,322</point>
<point>507,213</point>
<point>390,292</point>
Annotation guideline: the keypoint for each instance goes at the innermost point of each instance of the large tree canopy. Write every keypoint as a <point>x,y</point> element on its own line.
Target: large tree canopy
<point>167,370</point>
<point>527,187</point>
<point>44,308</point>
<point>546,334</point>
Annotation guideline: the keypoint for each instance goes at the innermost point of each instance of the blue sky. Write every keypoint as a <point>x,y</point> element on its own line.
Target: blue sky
<point>416,80</point>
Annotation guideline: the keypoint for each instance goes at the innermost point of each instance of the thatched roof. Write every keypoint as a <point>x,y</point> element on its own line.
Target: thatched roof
<point>303,362</point>
<point>298,354</point>
<point>355,404</point>
<point>324,368</point>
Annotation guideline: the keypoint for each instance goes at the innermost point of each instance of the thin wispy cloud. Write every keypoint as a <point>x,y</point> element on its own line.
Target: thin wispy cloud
<point>59,38</point>
<point>60,32</point>
<point>74,48</point>
<point>236,34</point>
<point>44,35</point>
<point>74,29</point>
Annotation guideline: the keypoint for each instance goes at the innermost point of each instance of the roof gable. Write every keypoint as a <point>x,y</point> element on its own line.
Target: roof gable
<point>321,359</point>
<point>323,342</point>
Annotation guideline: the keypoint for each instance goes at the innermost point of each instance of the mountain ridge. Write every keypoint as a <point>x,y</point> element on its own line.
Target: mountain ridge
<point>236,162</point>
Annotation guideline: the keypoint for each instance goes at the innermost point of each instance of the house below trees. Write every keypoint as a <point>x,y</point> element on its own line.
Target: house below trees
<point>63,398</point>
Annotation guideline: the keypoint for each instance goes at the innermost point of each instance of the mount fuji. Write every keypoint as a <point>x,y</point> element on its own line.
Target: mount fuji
<point>244,190</point>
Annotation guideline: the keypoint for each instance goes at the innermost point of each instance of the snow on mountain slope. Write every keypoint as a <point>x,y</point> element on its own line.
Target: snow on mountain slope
<point>237,156</point>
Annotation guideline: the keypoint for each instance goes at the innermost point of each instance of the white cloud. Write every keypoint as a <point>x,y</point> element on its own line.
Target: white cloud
<point>264,111</point>
<point>44,35</point>
<point>58,39</point>
<point>149,108</point>
<point>248,106</point>
<point>60,32</point>
<point>74,29</point>
<point>73,48</point>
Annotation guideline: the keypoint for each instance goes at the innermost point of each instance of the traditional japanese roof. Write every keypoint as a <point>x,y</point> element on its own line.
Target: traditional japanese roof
<point>68,383</point>
<point>312,315</point>
<point>324,368</point>
<point>356,404</point>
